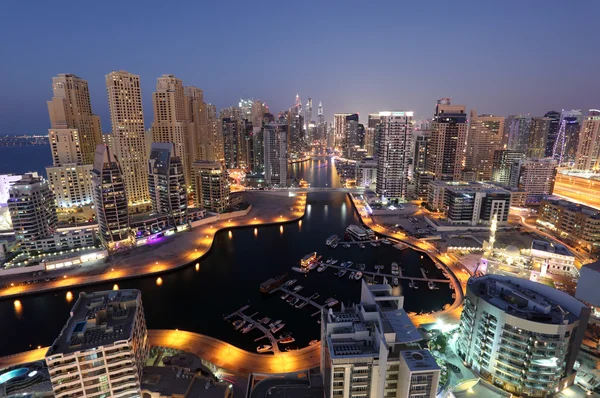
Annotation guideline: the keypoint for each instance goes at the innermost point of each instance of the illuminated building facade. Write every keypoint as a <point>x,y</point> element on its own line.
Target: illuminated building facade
<point>275,154</point>
<point>516,132</point>
<point>521,335</point>
<point>536,177</point>
<point>484,138</point>
<point>211,185</point>
<point>538,137</point>
<point>588,149</point>
<point>506,167</point>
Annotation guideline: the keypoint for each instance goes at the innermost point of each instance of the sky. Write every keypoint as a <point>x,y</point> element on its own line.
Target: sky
<point>499,57</point>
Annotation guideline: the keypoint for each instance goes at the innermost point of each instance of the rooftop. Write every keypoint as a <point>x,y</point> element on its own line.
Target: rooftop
<point>526,299</point>
<point>419,360</point>
<point>171,380</point>
<point>97,319</point>
<point>556,248</point>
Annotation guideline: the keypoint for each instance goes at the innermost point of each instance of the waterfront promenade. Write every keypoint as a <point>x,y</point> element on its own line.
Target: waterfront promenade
<point>220,353</point>
<point>179,250</point>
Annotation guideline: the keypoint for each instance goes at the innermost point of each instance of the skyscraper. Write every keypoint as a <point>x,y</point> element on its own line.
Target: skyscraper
<point>128,134</point>
<point>588,149</point>
<point>167,183</point>
<point>371,133</point>
<point>32,210</point>
<point>110,199</point>
<point>102,348</point>
<point>537,177</point>
<point>484,138</point>
<point>211,185</point>
<point>308,114</point>
<point>422,139</point>
<point>506,166</point>
<point>538,137</point>
<point>516,132</point>
<point>275,154</point>
<point>198,131</point>
<point>70,108</point>
<point>170,124</point>
<point>233,146</point>
<point>351,139</point>
<point>448,137</point>
<point>339,129</point>
<point>393,154</point>
<point>553,129</point>
<point>571,123</point>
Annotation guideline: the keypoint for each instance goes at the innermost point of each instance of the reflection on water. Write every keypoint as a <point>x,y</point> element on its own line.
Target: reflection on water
<point>69,297</point>
<point>18,308</point>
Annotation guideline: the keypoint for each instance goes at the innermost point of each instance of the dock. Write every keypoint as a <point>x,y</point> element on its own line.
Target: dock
<point>266,332</point>
<point>390,276</point>
<point>295,294</point>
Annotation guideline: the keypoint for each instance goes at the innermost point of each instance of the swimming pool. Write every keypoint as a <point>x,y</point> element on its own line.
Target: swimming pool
<point>4,377</point>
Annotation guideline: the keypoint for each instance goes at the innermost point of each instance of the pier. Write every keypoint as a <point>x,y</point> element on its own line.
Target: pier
<point>295,294</point>
<point>267,333</point>
<point>390,276</point>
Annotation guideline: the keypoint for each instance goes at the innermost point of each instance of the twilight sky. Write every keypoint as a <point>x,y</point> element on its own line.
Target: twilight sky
<point>500,57</point>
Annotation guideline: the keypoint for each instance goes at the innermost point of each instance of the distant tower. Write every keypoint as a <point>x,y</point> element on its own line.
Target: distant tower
<point>559,145</point>
<point>320,113</point>
<point>308,113</point>
<point>298,104</point>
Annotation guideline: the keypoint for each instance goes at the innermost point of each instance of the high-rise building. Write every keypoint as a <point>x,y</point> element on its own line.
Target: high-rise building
<point>366,173</point>
<point>212,186</point>
<point>170,124</point>
<point>485,136</point>
<point>536,177</point>
<point>128,134</point>
<point>538,137</point>
<point>506,167</point>
<point>522,335</point>
<point>422,139</point>
<point>371,131</point>
<point>70,108</point>
<point>553,130</point>
<point>167,183</point>
<point>102,348</point>
<point>198,131</point>
<point>275,154</point>
<point>233,142</point>
<point>339,128</point>
<point>110,199</point>
<point>215,132</point>
<point>351,138</point>
<point>7,181</point>
<point>32,210</point>
<point>588,148</point>
<point>371,349</point>
<point>448,137</point>
<point>393,154</point>
<point>516,132</point>
<point>308,114</point>
<point>570,125</point>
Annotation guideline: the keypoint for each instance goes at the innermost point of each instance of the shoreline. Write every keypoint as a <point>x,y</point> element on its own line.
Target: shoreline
<point>196,254</point>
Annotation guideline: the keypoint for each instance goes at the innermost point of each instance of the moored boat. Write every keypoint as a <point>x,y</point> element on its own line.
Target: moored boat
<point>290,282</point>
<point>238,324</point>
<point>264,348</point>
<point>313,342</point>
<point>285,296</point>
<point>248,328</point>
<point>351,275</point>
<point>298,288</point>
<point>287,340</point>
<point>334,262</point>
<point>266,320</point>
<point>358,275</point>
<point>277,328</point>
<point>395,281</point>
<point>342,272</point>
<point>430,285</point>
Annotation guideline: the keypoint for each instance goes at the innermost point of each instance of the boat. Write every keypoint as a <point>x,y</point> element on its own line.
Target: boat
<point>322,268</point>
<point>290,282</point>
<point>346,245</point>
<point>294,301</point>
<point>248,328</point>
<point>238,324</point>
<point>275,323</point>
<point>313,342</point>
<point>362,267</point>
<point>285,296</point>
<point>329,260</point>
<point>277,328</point>
<point>351,275</point>
<point>343,264</point>
<point>356,232</point>
<point>308,259</point>
<point>313,266</point>
<point>430,285</point>
<point>289,299</point>
<point>301,270</point>
<point>334,262</point>
<point>314,296</point>
<point>301,304</point>
<point>329,300</point>
<point>264,348</point>
<point>298,288</point>
<point>374,244</point>
<point>271,284</point>
<point>415,285</point>
<point>333,245</point>
<point>287,340</point>
<point>331,240</point>
<point>386,242</point>
<point>395,281</point>
<point>395,268</point>
<point>266,320</point>
<point>411,284</point>
<point>332,303</point>
<point>358,275</point>
<point>288,349</point>
<point>349,264</point>
<point>342,273</point>
<point>362,246</point>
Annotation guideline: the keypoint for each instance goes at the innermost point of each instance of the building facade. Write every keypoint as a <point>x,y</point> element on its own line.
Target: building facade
<point>110,199</point>
<point>486,134</point>
<point>275,154</point>
<point>394,133</point>
<point>537,177</point>
<point>128,134</point>
<point>166,182</point>
<point>102,349</point>
<point>516,132</point>
<point>588,148</point>
<point>366,173</point>
<point>538,137</point>
<point>32,211</point>
<point>212,186</point>
<point>506,167</point>
<point>448,138</point>
<point>520,335</point>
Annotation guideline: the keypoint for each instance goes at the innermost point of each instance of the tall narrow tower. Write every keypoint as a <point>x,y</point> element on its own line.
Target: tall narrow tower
<point>127,119</point>
<point>320,112</point>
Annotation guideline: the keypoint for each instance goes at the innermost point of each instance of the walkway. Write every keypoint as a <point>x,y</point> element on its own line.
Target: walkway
<point>297,295</point>
<point>240,314</point>
<point>390,276</point>
<point>220,353</point>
